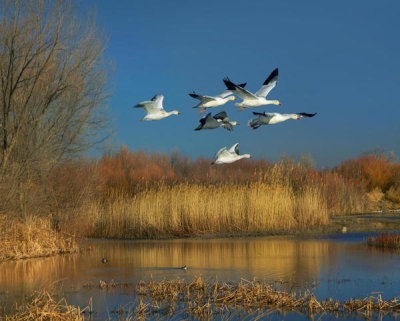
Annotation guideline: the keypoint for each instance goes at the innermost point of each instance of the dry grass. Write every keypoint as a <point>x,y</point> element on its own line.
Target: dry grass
<point>137,195</point>
<point>189,209</point>
<point>384,240</point>
<point>206,300</point>
<point>44,307</point>
<point>393,193</point>
<point>32,237</point>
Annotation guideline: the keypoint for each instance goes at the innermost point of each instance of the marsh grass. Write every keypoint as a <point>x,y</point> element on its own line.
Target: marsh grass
<point>44,307</point>
<point>384,240</point>
<point>130,195</point>
<point>205,300</point>
<point>32,237</point>
<point>190,209</point>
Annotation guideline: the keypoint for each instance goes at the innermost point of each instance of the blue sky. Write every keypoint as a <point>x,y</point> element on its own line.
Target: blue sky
<point>340,59</point>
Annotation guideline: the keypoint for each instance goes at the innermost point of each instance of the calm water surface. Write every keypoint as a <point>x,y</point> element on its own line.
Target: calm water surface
<point>340,266</point>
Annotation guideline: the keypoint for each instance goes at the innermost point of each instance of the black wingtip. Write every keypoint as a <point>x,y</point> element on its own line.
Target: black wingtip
<point>307,115</point>
<point>221,115</point>
<point>274,75</point>
<point>242,85</point>
<point>257,113</point>
<point>229,84</point>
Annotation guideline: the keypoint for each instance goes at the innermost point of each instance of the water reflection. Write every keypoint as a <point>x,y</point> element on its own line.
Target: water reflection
<point>337,269</point>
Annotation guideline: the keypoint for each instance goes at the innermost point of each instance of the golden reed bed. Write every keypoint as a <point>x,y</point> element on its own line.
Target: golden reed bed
<point>186,210</point>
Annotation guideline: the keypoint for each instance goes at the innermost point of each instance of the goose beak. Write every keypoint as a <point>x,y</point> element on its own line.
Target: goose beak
<point>212,163</point>
<point>234,98</point>
<point>279,103</point>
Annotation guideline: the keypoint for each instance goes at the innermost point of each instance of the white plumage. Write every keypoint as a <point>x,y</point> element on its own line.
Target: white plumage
<point>274,118</point>
<point>214,101</point>
<point>227,156</point>
<point>259,98</point>
<point>155,109</point>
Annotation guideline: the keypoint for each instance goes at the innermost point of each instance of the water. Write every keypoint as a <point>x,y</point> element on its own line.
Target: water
<point>335,266</point>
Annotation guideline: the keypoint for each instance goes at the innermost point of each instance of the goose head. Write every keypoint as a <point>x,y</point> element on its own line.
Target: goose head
<point>174,112</point>
<point>234,123</point>
<point>276,102</point>
<point>246,156</point>
<point>231,98</point>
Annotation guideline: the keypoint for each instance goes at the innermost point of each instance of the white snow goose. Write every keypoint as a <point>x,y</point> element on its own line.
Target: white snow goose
<point>274,118</point>
<point>227,156</point>
<point>259,98</point>
<point>219,120</point>
<point>155,109</point>
<point>214,101</point>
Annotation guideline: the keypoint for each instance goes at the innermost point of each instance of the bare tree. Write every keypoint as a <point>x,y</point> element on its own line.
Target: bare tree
<point>52,83</point>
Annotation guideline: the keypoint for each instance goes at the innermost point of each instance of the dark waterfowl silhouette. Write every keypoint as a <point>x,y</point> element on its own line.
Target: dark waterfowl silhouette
<point>219,120</point>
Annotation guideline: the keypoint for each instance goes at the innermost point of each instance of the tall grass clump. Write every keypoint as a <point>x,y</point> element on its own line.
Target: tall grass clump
<point>384,240</point>
<point>43,306</point>
<point>32,237</point>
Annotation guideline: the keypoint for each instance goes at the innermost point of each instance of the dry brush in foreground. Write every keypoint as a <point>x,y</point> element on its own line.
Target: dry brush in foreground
<point>32,237</point>
<point>208,300</point>
<point>176,299</point>
<point>44,307</point>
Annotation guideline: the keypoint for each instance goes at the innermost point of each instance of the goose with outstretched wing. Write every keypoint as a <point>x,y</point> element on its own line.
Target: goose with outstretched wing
<point>154,109</point>
<point>214,101</point>
<point>274,118</point>
<point>250,100</point>
<point>227,156</point>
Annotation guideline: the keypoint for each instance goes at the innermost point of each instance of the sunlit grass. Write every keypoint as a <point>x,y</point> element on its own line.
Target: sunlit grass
<point>189,209</point>
<point>32,237</point>
<point>204,300</point>
<point>43,306</point>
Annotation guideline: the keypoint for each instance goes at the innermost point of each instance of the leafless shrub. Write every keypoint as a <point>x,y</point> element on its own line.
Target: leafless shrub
<point>52,90</point>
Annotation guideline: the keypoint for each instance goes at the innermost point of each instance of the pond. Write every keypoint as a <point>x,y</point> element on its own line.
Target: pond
<point>338,266</point>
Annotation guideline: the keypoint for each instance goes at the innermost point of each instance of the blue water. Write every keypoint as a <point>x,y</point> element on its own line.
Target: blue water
<point>338,266</point>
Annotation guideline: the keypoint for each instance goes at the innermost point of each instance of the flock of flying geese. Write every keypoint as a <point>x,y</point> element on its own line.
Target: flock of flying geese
<point>155,111</point>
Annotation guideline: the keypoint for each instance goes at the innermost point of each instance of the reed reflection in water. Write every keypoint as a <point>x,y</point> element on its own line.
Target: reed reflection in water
<point>338,268</point>
<point>293,262</point>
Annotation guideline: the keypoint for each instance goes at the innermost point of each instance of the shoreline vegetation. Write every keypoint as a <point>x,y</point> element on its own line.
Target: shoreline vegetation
<point>385,241</point>
<point>204,300</point>
<point>135,195</point>
<point>32,237</point>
